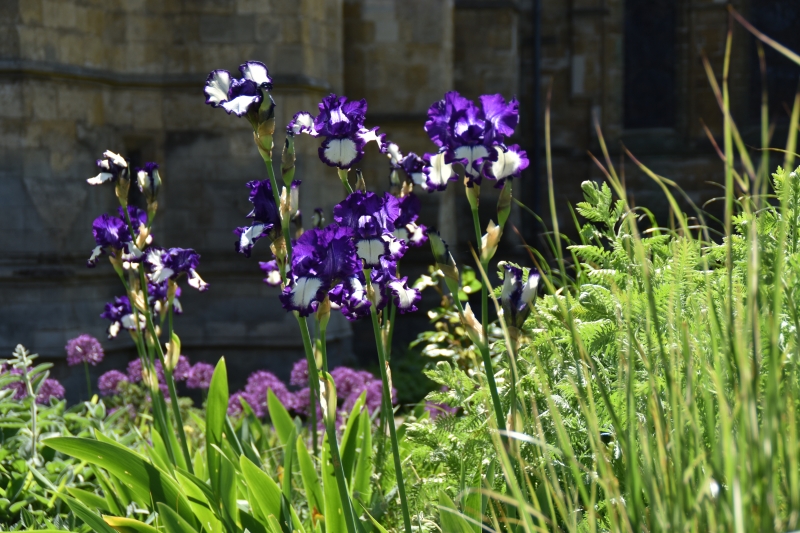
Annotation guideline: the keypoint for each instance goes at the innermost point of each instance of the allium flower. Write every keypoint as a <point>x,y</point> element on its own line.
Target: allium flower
<point>112,168</point>
<point>200,376</point>
<point>299,374</point>
<point>134,371</point>
<point>517,296</point>
<point>350,382</point>
<point>170,264</point>
<point>109,382</point>
<point>17,386</point>
<point>341,122</point>
<point>120,313</point>
<point>50,389</point>
<point>265,214</point>
<point>375,395</point>
<point>238,96</point>
<point>302,403</point>
<point>321,257</point>
<point>235,405</point>
<point>84,349</point>
<point>467,133</point>
<point>256,389</point>
<point>182,369</point>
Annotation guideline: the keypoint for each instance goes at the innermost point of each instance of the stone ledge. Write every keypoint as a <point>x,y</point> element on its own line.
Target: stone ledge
<point>488,4</point>
<point>42,69</point>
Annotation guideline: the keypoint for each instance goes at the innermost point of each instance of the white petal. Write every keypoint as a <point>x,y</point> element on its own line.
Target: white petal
<point>256,72</point>
<point>217,86</point>
<point>115,158</point>
<point>370,250</point>
<point>394,153</point>
<point>471,154</point>
<point>303,123</point>
<point>506,165</point>
<point>341,152</point>
<point>248,237</point>
<point>419,179</point>
<point>274,278</point>
<point>239,104</point>
<point>100,178</point>
<point>405,296</point>
<point>95,254</point>
<point>113,330</point>
<point>161,273</point>
<point>395,245</point>
<point>304,291</point>
<point>529,289</point>
<point>440,172</point>
<point>370,135</point>
<point>415,233</point>
<point>401,233</point>
<point>196,281</point>
<point>176,305</point>
<point>133,252</point>
<point>129,322</point>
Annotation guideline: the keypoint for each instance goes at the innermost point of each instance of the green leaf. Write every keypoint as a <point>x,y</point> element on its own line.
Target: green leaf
<point>310,479</point>
<point>349,438</point>
<point>252,525</point>
<point>216,411</point>
<point>266,493</point>
<point>362,488</point>
<point>93,520</point>
<point>141,477</point>
<point>128,525</point>
<point>91,500</point>
<point>450,517</point>
<point>333,508</point>
<point>173,523</point>
<point>280,417</point>
<point>198,494</point>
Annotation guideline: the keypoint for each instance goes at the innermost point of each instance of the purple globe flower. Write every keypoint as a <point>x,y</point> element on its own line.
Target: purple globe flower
<point>108,383</point>
<point>84,349</point>
<point>50,389</point>
<point>302,402</point>
<point>235,405</point>
<point>134,371</point>
<point>17,386</point>
<point>261,381</point>
<point>200,376</point>
<point>299,375</point>
<point>350,382</point>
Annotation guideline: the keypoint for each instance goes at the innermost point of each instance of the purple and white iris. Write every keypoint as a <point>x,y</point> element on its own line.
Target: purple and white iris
<point>113,233</point>
<point>341,123</point>
<point>472,135</point>
<point>238,96</point>
<point>265,214</point>
<point>112,168</point>
<point>120,314</point>
<point>170,264</point>
<point>372,218</point>
<point>406,227</point>
<point>149,181</point>
<point>517,295</point>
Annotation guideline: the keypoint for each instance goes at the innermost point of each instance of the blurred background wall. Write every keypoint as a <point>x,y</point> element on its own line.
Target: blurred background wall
<point>78,77</point>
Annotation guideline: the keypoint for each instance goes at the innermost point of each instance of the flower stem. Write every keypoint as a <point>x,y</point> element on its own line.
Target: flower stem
<point>387,408</point>
<point>343,176</point>
<point>88,380</point>
<point>323,344</point>
<point>32,396</point>
<point>313,379</point>
<point>284,227</point>
<point>341,482</point>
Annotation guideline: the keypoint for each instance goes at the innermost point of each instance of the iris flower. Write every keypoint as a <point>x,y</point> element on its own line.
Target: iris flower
<point>238,96</point>
<point>170,264</point>
<point>517,295</point>
<point>265,214</point>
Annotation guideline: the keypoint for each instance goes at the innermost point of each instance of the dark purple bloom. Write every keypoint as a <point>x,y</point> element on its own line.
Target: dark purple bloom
<point>510,163</point>
<point>299,374</point>
<point>265,214</point>
<point>238,96</point>
<point>256,389</point>
<point>321,256</point>
<point>200,376</point>
<point>120,313</point>
<point>350,297</point>
<point>149,181</point>
<point>84,349</point>
<point>158,295</point>
<point>138,216</point>
<point>112,168</point>
<point>109,382</point>
<point>50,389</point>
<point>501,117</point>
<point>170,264</point>
<point>341,122</point>
<point>372,217</point>
<point>517,296</point>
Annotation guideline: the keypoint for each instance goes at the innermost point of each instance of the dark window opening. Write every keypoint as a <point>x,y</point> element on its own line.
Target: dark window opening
<point>650,61</point>
<point>780,20</point>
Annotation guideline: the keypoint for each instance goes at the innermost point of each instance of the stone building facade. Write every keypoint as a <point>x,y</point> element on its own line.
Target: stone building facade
<point>81,76</point>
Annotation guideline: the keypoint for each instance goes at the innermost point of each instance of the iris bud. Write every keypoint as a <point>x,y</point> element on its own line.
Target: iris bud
<point>504,203</point>
<point>490,241</point>
<point>327,398</point>
<point>473,192</point>
<point>173,352</point>
<point>360,184</point>
<point>288,159</point>
<point>149,181</point>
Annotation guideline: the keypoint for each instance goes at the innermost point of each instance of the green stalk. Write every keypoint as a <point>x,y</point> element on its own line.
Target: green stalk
<point>387,407</point>
<point>343,176</point>
<point>313,379</point>
<point>323,348</point>
<point>88,379</point>
<point>341,482</point>
<point>32,396</point>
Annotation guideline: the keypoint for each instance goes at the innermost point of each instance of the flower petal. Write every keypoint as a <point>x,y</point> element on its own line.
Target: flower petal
<point>302,122</point>
<point>217,85</point>
<point>469,155</point>
<point>303,295</point>
<point>96,252</point>
<point>438,173</point>
<point>405,298</point>
<point>371,250</point>
<point>241,104</point>
<point>196,281</point>
<point>100,178</point>
<point>257,71</point>
<point>341,153</point>
<point>371,135</point>
<point>510,162</point>
<point>248,235</point>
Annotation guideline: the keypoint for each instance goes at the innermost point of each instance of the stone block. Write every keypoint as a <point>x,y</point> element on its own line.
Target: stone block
<point>227,29</point>
<point>58,14</point>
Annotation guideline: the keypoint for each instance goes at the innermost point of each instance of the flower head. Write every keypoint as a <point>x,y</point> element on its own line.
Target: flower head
<point>134,370</point>
<point>120,314</point>
<point>109,382</point>
<point>510,163</point>
<point>265,214</point>
<point>50,389</point>
<point>149,181</point>
<point>258,384</point>
<point>200,376</point>
<point>299,374</point>
<point>84,349</point>
<point>406,227</point>
<point>517,296</point>
<point>341,122</point>
<point>238,96</point>
<point>112,168</point>
<point>170,264</point>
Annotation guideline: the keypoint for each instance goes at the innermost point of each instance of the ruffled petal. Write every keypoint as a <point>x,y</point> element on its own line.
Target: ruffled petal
<point>367,136</point>
<point>271,272</point>
<point>405,298</point>
<point>97,251</point>
<point>510,163</point>
<point>217,85</point>
<point>196,281</point>
<point>248,235</point>
<point>469,155</point>
<point>371,250</point>
<point>239,105</point>
<point>303,295</point>
<point>438,172</point>
<point>257,72</point>
<point>396,247</point>
<point>341,153</point>
<point>302,122</point>
<point>393,152</point>
<point>100,178</point>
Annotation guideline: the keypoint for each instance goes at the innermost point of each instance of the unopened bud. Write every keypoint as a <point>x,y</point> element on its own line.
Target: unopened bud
<point>327,398</point>
<point>324,312</point>
<point>473,191</point>
<point>149,181</point>
<point>360,184</point>
<point>490,240</point>
<point>472,325</point>
<point>173,352</point>
<point>504,203</point>
<point>288,159</point>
